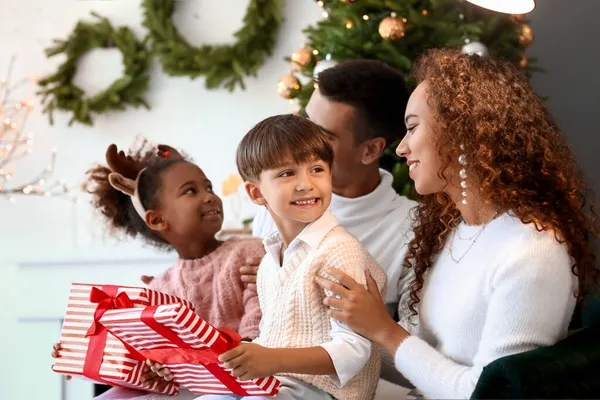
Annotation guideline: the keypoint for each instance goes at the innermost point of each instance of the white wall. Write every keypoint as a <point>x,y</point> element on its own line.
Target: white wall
<point>207,124</point>
<point>47,243</point>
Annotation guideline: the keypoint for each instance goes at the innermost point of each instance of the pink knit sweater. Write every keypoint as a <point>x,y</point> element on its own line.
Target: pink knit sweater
<point>214,287</point>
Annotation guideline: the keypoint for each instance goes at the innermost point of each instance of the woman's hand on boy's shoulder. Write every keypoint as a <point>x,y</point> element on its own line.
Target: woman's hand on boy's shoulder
<point>249,271</point>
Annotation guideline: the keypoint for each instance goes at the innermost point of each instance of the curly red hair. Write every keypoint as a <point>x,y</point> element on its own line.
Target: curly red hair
<point>516,151</point>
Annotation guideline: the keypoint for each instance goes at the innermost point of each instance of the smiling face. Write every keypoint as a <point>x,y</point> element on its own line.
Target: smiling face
<point>337,120</point>
<point>294,193</point>
<point>187,204</point>
<point>418,145</point>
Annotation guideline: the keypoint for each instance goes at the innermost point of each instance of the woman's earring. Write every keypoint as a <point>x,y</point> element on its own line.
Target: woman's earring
<point>462,160</point>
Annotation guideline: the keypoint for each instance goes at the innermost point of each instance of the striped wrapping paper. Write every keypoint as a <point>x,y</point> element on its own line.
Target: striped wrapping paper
<point>117,366</point>
<point>194,334</point>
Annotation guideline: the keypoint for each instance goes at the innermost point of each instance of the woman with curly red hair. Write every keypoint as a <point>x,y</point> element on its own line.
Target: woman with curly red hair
<point>502,239</point>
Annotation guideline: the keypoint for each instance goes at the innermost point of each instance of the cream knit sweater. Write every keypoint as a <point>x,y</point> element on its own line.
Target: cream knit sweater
<point>293,311</point>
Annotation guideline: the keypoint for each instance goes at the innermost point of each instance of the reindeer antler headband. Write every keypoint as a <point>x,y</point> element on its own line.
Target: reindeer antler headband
<point>126,173</point>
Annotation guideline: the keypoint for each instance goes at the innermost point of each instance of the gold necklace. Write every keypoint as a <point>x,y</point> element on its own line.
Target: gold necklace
<point>474,237</point>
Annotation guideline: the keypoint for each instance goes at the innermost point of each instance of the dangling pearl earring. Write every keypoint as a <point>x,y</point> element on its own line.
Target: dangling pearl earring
<point>462,160</point>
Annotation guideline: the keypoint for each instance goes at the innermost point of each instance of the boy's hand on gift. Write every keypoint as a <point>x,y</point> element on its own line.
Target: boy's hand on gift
<point>250,361</point>
<point>146,279</point>
<point>55,350</point>
<point>154,372</point>
<point>249,271</point>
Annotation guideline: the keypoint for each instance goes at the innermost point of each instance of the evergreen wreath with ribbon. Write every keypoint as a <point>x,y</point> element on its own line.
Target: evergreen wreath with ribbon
<point>221,65</point>
<point>59,92</point>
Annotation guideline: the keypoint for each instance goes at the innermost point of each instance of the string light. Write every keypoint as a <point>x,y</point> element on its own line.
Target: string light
<point>325,14</point>
<point>348,24</point>
<point>320,3</point>
<point>424,12</point>
<point>316,52</point>
<point>365,17</point>
<point>16,144</point>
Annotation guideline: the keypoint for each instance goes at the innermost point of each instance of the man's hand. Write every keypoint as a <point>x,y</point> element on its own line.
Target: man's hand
<point>250,361</point>
<point>146,279</point>
<point>249,272</point>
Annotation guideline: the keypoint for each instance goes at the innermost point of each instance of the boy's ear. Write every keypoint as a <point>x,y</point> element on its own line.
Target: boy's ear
<point>155,221</point>
<point>372,150</point>
<point>254,193</point>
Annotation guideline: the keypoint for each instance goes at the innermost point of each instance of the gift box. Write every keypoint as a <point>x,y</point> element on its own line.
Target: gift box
<point>90,350</point>
<point>176,337</point>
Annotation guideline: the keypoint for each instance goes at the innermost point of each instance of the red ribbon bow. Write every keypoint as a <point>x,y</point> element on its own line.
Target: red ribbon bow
<point>106,302</point>
<point>107,298</point>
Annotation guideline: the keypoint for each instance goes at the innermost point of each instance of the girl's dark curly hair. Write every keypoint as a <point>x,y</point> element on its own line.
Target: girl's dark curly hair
<point>116,207</point>
<point>516,151</point>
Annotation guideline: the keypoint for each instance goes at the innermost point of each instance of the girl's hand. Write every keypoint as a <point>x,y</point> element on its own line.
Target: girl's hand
<point>146,279</point>
<point>363,310</point>
<point>250,361</point>
<point>55,350</point>
<point>154,372</point>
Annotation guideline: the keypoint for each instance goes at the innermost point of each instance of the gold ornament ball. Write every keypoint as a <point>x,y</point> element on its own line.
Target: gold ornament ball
<point>526,37</point>
<point>288,86</point>
<point>301,58</point>
<point>391,28</point>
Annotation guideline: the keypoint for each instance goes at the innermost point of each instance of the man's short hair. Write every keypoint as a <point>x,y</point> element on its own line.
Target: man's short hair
<point>377,92</point>
<point>278,140</point>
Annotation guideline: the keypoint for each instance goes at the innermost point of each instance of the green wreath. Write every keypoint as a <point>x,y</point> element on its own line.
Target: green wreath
<point>221,65</point>
<point>59,92</point>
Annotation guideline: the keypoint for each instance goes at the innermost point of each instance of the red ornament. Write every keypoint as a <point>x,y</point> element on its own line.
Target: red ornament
<point>166,154</point>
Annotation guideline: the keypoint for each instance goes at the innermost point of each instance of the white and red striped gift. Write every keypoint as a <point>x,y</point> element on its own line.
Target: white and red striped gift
<point>114,363</point>
<point>174,332</point>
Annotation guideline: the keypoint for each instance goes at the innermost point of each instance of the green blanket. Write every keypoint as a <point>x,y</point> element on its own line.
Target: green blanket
<point>569,369</point>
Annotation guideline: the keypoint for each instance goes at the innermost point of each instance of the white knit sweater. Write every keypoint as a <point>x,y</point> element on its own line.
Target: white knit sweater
<point>512,291</point>
<point>380,220</point>
<point>293,312</point>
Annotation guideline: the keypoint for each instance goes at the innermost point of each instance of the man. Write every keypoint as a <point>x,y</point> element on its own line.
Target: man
<point>360,105</point>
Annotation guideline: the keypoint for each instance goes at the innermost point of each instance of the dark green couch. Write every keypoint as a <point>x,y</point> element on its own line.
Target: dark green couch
<point>569,369</point>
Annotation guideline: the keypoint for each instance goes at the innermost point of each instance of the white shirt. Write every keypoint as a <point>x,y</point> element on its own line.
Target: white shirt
<point>512,291</point>
<point>380,220</point>
<point>348,350</point>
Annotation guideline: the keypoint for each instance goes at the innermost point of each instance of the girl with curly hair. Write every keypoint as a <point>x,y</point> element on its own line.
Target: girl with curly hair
<point>159,196</point>
<point>502,247</point>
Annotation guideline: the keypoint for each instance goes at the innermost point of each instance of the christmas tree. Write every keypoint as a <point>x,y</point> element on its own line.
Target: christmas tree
<point>396,32</point>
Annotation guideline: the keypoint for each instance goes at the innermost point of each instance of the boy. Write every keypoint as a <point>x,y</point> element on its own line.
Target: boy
<point>285,162</point>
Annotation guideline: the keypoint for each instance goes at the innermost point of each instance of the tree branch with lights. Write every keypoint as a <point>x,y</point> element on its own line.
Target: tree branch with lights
<point>397,32</point>
<point>15,145</point>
